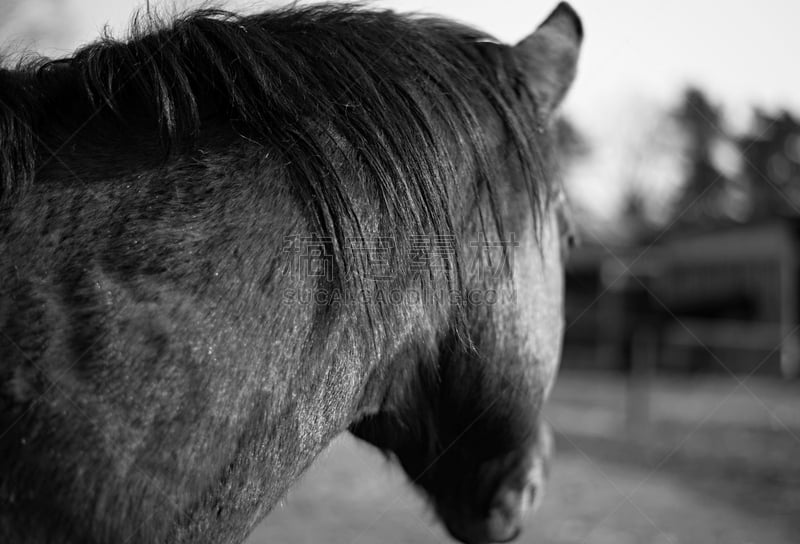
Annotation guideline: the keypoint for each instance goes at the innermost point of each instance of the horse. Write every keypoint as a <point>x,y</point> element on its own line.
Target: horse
<point>227,239</point>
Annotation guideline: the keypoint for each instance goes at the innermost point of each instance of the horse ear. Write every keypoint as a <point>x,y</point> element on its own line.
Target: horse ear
<point>549,58</point>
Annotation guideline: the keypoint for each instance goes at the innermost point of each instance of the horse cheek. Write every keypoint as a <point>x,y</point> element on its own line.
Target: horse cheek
<point>539,302</point>
<point>538,306</point>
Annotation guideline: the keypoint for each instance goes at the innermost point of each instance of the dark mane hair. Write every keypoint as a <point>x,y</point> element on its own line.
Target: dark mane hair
<point>333,93</point>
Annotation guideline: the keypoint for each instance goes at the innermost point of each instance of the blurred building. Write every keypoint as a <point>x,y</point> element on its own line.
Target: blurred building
<point>716,299</point>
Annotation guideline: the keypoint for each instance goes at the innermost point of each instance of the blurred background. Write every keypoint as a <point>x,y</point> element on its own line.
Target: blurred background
<point>677,411</point>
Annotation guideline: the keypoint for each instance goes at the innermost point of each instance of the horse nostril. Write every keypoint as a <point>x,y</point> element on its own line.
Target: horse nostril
<point>512,536</point>
<point>505,525</point>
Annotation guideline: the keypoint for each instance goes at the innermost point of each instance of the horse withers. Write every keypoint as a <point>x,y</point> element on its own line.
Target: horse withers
<point>228,239</point>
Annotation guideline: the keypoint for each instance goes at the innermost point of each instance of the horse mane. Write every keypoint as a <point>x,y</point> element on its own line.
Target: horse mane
<point>331,92</point>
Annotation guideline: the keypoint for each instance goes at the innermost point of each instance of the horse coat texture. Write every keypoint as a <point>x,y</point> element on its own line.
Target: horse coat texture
<point>227,239</point>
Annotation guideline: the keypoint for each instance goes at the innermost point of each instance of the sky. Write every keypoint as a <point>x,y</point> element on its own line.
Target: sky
<point>636,58</point>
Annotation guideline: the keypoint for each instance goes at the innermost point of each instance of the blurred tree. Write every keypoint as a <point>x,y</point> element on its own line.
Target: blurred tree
<point>635,218</point>
<point>771,164</point>
<point>705,198</point>
<point>653,169</point>
<point>736,177</point>
<point>572,147</point>
<point>571,143</point>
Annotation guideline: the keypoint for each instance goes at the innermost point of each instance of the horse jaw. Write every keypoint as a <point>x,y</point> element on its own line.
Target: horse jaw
<point>519,494</point>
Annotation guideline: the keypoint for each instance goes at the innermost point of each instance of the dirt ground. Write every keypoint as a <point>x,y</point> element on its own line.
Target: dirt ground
<point>702,480</point>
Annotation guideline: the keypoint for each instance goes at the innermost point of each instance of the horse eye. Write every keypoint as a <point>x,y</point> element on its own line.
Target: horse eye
<point>572,240</point>
<point>566,247</point>
<point>569,240</point>
<point>566,227</point>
